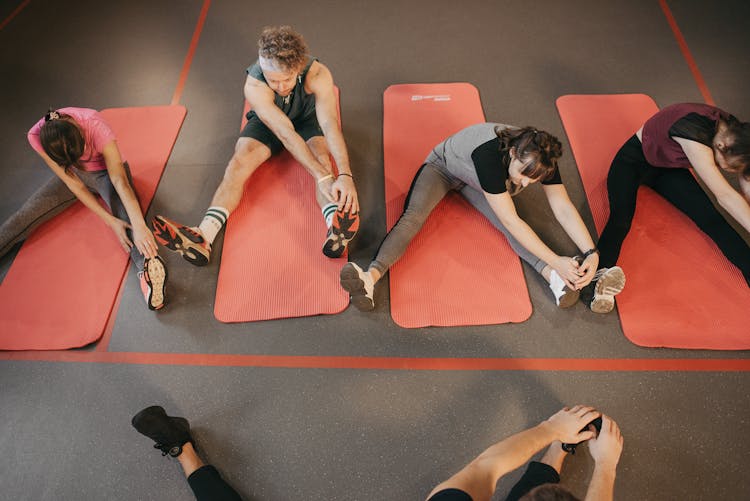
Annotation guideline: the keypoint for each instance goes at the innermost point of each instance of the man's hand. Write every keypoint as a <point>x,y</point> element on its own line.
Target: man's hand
<point>325,185</point>
<point>345,194</point>
<point>568,423</point>
<point>607,447</point>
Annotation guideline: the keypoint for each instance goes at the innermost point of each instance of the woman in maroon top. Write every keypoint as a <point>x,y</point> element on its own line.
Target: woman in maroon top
<point>660,155</point>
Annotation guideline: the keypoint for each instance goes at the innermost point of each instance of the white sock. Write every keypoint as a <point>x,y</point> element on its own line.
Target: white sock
<point>557,285</point>
<point>328,211</point>
<point>213,222</point>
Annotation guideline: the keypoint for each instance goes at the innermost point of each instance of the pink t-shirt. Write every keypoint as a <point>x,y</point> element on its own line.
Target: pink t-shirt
<point>96,134</point>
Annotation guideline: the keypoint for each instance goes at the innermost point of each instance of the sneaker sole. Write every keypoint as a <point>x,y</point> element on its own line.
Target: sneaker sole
<point>613,281</point>
<point>337,238</point>
<point>569,298</point>
<point>354,285</point>
<point>156,277</point>
<point>146,412</point>
<point>179,242</point>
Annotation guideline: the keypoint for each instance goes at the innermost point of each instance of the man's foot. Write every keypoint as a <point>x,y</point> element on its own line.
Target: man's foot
<point>153,281</point>
<point>169,433</point>
<point>359,285</point>
<point>343,228</point>
<point>565,297</point>
<point>183,239</point>
<point>608,282</point>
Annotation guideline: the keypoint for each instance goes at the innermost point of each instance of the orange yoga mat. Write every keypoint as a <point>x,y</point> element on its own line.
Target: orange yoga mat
<point>681,291</point>
<point>60,290</point>
<point>458,270</point>
<point>272,264</point>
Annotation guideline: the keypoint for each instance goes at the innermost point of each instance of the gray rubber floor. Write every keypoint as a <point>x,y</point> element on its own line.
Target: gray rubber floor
<point>280,434</point>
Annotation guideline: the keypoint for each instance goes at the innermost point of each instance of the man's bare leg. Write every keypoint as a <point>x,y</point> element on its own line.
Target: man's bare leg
<point>194,244</point>
<point>342,226</point>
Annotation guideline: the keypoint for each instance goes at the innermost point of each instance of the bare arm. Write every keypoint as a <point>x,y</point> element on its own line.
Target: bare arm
<point>569,218</point>
<point>745,187</point>
<point>83,194</point>
<point>478,478</point>
<point>260,97</point>
<point>320,83</point>
<point>502,206</point>
<point>606,450</point>
<point>701,157</point>
<point>143,239</point>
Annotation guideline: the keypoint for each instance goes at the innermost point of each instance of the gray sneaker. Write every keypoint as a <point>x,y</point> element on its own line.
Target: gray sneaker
<point>608,283</point>
<point>359,285</point>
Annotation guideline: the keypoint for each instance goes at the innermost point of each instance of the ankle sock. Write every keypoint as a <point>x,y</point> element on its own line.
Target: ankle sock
<point>328,211</point>
<point>213,222</point>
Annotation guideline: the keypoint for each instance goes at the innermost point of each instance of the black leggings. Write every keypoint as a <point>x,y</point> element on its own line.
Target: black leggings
<point>678,186</point>
<point>207,485</point>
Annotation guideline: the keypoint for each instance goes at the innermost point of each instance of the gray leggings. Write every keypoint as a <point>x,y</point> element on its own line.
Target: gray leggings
<point>54,197</point>
<point>430,185</point>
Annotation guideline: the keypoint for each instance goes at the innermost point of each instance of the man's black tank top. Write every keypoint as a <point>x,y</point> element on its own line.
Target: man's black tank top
<point>298,104</point>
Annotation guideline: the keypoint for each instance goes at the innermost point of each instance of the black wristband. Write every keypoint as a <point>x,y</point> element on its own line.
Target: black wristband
<point>589,252</point>
<point>345,174</point>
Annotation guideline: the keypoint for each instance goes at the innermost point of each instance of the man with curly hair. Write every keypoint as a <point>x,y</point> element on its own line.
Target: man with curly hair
<point>293,106</point>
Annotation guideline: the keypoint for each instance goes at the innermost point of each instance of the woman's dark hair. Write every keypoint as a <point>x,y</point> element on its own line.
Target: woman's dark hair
<point>549,492</point>
<point>62,140</point>
<point>737,146</point>
<point>537,149</point>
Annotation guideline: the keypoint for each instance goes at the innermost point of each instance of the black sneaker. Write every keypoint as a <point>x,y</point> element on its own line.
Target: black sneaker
<point>169,433</point>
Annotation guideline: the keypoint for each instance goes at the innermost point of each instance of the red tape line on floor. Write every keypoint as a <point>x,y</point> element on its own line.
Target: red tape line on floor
<point>390,363</point>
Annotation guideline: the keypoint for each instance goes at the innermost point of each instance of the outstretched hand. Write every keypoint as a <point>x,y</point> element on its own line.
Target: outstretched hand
<point>568,269</point>
<point>587,270</point>
<point>607,447</point>
<point>568,423</point>
<point>345,194</point>
<point>120,227</point>
<point>144,241</point>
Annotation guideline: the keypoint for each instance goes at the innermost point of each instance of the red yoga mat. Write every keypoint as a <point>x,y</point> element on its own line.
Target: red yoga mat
<point>681,291</point>
<point>272,264</point>
<point>458,270</point>
<point>60,290</point>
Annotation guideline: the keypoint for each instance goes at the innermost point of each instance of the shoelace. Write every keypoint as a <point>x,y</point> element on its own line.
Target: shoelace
<point>163,448</point>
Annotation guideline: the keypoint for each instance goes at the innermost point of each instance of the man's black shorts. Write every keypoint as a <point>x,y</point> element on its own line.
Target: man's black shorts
<point>307,127</point>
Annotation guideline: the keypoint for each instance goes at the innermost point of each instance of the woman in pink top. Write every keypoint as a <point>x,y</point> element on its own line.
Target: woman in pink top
<point>80,148</point>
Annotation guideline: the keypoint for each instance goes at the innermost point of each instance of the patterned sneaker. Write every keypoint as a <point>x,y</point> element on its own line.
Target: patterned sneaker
<point>359,285</point>
<point>183,239</point>
<point>609,283</point>
<point>343,228</point>
<point>169,433</point>
<point>565,297</point>
<point>153,280</point>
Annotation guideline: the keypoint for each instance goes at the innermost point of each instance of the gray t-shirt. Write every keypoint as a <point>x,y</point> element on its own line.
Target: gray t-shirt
<point>473,155</point>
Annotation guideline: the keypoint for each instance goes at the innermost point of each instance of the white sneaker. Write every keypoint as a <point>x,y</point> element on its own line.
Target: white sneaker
<point>565,297</point>
<point>359,285</point>
<point>609,283</point>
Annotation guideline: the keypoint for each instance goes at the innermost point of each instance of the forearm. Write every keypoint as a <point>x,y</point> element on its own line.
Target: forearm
<point>530,240</point>
<point>514,451</point>
<point>337,147</point>
<point>602,485</point>
<point>574,226</point>
<point>300,151</point>
<point>737,207</point>
<point>129,201</point>
<point>87,198</point>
